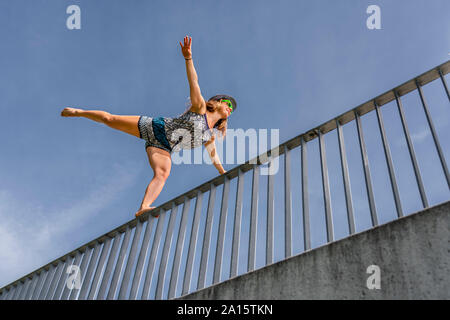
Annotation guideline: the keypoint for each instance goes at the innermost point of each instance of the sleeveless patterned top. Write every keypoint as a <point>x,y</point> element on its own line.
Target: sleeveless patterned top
<point>187,131</point>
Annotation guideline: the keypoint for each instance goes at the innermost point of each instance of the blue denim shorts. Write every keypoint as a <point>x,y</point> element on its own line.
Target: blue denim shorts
<point>150,129</point>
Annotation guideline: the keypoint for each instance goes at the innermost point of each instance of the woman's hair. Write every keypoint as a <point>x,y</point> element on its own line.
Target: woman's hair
<point>220,127</point>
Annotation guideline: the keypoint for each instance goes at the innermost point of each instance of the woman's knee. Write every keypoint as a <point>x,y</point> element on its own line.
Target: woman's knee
<point>161,174</point>
<point>160,162</point>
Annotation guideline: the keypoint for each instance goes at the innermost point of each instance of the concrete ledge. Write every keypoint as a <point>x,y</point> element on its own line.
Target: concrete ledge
<point>412,254</point>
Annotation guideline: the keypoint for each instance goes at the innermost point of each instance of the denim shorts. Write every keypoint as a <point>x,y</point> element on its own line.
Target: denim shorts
<point>147,128</point>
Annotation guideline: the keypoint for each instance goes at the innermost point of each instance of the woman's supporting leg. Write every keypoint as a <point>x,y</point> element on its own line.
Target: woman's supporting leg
<point>161,163</point>
<point>127,124</point>
<point>159,159</point>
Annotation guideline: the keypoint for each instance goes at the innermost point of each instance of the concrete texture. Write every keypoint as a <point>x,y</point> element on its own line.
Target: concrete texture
<point>411,252</point>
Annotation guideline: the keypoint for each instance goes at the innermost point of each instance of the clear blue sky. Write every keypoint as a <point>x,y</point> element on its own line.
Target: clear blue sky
<point>291,65</point>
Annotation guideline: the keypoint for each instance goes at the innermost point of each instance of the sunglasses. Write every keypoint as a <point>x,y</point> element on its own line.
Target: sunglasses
<point>230,105</point>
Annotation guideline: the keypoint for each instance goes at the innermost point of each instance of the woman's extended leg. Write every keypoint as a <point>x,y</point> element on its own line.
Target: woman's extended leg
<point>161,163</point>
<point>127,124</point>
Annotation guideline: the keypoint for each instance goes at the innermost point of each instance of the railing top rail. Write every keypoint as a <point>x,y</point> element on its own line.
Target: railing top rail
<point>330,125</point>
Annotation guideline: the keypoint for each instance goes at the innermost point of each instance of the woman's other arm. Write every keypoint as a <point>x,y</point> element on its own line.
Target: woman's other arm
<point>211,147</point>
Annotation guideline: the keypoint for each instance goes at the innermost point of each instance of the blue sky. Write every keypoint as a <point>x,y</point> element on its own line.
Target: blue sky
<point>291,65</point>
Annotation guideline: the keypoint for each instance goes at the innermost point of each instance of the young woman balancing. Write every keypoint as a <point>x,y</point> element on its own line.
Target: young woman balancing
<point>162,134</point>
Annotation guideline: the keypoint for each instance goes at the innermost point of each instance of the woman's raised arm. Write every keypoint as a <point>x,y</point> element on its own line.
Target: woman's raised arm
<point>197,100</point>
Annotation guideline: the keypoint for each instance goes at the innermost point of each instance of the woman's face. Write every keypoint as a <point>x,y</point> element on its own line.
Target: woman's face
<point>224,110</point>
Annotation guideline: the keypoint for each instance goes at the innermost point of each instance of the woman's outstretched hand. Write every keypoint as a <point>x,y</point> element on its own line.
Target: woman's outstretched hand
<point>186,49</point>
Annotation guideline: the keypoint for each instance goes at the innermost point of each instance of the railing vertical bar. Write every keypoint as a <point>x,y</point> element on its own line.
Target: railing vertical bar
<point>326,188</point>
<point>66,292</point>
<point>22,288</point>
<point>206,238</point>
<point>87,277</point>
<point>387,154</point>
<point>444,83</point>
<point>99,269</point>
<point>14,289</point>
<point>130,261</point>
<point>165,254</point>
<point>119,264</point>
<point>365,160</point>
<point>237,225</point>
<point>44,275</point>
<point>37,286</point>
<point>62,280</point>
<point>19,288</point>
<point>411,151</point>
<point>287,204</point>
<point>11,292</point>
<point>305,198</point>
<point>346,178</point>
<point>253,220</point>
<point>153,254</point>
<point>109,267</point>
<point>193,243</point>
<point>87,254</point>
<point>434,134</point>
<point>51,273</point>
<point>270,204</point>
<point>221,233</point>
<point>180,243</point>
<point>17,291</point>
<point>6,293</point>
<point>141,259</point>
<point>3,294</point>
<point>55,280</point>
<point>25,289</point>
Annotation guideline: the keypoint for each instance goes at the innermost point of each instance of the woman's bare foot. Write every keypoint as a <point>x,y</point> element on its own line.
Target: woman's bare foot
<point>143,210</point>
<point>70,112</point>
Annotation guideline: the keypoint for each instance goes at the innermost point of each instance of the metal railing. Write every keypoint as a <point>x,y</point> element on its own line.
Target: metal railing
<point>164,262</point>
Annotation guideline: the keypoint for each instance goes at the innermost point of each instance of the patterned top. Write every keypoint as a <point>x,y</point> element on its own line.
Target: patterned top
<point>187,131</point>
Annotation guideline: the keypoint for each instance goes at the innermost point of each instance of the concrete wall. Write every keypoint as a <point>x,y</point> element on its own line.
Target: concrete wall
<point>412,254</point>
